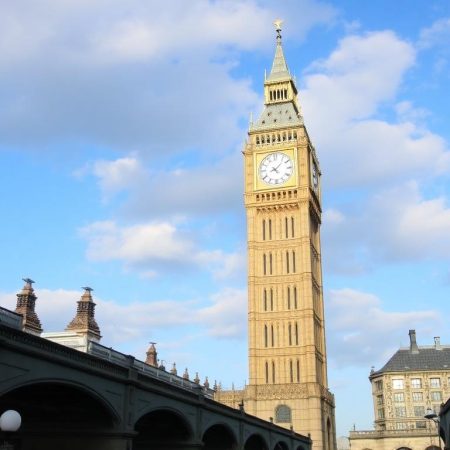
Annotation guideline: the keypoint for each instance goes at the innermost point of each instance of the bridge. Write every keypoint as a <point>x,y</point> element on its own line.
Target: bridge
<point>105,400</point>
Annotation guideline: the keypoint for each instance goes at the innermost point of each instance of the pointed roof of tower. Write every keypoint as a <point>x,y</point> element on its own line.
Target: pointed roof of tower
<point>280,69</point>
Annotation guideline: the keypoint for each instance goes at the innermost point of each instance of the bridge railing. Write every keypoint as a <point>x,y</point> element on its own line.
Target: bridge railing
<point>116,357</point>
<point>10,318</point>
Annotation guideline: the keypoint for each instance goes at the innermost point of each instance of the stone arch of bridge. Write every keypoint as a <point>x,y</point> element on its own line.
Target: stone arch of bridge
<point>163,427</point>
<point>219,437</point>
<point>56,413</point>
<point>256,442</point>
<point>281,445</point>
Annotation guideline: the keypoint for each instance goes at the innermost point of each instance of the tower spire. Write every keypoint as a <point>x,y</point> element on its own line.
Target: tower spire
<point>279,67</point>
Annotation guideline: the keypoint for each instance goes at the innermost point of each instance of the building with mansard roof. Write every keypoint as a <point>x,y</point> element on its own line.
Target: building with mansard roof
<point>414,379</point>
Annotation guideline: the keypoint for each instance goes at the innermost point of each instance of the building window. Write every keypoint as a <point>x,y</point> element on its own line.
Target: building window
<point>267,372</point>
<point>289,334</point>
<point>296,334</point>
<point>273,336</point>
<point>380,413</point>
<point>298,371</point>
<point>380,400</point>
<point>283,414</point>
<point>399,397</point>
<point>292,227</point>
<point>401,426</point>
<point>436,396</point>
<point>293,261</point>
<point>379,385</point>
<point>286,231</point>
<point>265,299</point>
<point>416,383</point>
<point>400,411</point>
<point>295,297</point>
<point>287,262</point>
<point>435,382</point>
<point>270,229</point>
<point>270,263</point>
<point>417,397</point>
<point>288,298</point>
<point>291,371</point>
<point>273,372</point>
<point>264,230</point>
<point>264,264</point>
<point>271,299</point>
<point>397,383</point>
<point>266,340</point>
<point>419,411</point>
<point>422,424</point>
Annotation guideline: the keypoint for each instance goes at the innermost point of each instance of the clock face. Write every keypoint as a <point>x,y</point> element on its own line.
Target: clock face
<point>276,168</point>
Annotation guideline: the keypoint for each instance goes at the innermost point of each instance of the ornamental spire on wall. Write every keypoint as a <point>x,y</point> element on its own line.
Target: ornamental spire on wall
<point>84,321</point>
<point>26,302</point>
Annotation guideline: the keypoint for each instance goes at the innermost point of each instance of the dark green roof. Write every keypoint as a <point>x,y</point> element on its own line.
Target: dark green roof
<point>426,358</point>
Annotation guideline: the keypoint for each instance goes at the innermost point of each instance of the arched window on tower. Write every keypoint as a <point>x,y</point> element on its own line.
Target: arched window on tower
<point>270,95</point>
<point>285,93</point>
<point>273,336</point>
<point>265,299</point>
<point>298,371</point>
<point>292,227</point>
<point>271,299</point>
<point>267,372</point>
<point>264,264</point>
<point>291,371</point>
<point>270,229</point>
<point>296,333</point>
<point>287,261</point>
<point>288,298</point>
<point>270,263</point>
<point>265,336</point>
<point>286,231</point>
<point>264,229</point>
<point>283,414</point>
<point>295,297</point>
<point>290,334</point>
<point>273,372</point>
<point>293,261</point>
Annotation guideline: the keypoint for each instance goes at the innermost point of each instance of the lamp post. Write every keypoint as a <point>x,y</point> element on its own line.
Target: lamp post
<point>10,422</point>
<point>431,415</point>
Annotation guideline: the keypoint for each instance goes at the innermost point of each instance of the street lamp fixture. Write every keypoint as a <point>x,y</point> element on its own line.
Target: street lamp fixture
<point>10,422</point>
<point>431,415</point>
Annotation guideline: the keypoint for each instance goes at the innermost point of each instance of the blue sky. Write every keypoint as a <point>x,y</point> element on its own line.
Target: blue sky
<point>121,126</point>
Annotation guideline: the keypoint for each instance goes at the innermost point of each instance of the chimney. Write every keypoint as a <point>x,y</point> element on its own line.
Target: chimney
<point>413,348</point>
<point>26,301</point>
<point>437,343</point>
<point>84,321</point>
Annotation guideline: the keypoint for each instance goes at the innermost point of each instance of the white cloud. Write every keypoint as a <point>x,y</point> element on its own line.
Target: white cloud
<point>141,76</point>
<point>151,248</point>
<point>132,325</point>
<point>357,324</point>
<point>136,244</point>
<point>394,225</point>
<point>342,98</point>
<point>436,35</point>
<point>117,175</point>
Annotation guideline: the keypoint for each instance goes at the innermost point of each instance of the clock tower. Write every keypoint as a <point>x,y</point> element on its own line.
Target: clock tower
<point>287,352</point>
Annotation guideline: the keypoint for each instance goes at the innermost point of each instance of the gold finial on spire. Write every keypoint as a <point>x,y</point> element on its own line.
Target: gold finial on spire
<point>278,28</point>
